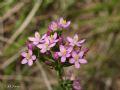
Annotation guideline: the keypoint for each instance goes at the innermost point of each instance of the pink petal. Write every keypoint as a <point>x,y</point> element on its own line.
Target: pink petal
<point>70,39</point>
<point>55,35</point>
<point>24,54</point>
<point>61,19</point>
<point>77,64</point>
<point>70,49</point>
<point>37,35</point>
<point>24,61</point>
<point>63,59</point>
<point>60,54</point>
<point>47,40</point>
<point>62,48</point>
<point>76,37</point>
<point>52,45</point>
<point>67,55</point>
<point>30,62</point>
<point>40,46</point>
<point>82,61</point>
<point>67,24</point>
<point>72,60</point>
<point>72,44</point>
<point>43,50</point>
<point>33,57</point>
<point>56,40</point>
<point>32,39</point>
<point>41,41</point>
<point>35,43</point>
<point>44,36</point>
<point>78,44</point>
<point>74,54</point>
<point>81,41</point>
<point>81,54</point>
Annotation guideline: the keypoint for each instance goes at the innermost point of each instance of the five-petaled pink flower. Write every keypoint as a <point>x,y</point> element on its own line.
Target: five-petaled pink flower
<point>75,41</point>
<point>64,52</point>
<point>53,38</point>
<point>53,26</point>
<point>45,46</point>
<point>28,57</point>
<point>63,23</point>
<point>36,40</point>
<point>77,59</point>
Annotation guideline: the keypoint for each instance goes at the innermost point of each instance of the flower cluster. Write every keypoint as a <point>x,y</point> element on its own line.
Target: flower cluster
<point>54,46</point>
<point>57,52</point>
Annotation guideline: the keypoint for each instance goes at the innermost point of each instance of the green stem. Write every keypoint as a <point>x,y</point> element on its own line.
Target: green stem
<point>60,76</point>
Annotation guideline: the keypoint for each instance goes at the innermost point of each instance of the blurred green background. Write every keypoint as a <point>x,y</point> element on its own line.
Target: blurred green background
<point>96,20</point>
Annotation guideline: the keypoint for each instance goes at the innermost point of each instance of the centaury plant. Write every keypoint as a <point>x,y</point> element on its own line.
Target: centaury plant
<point>57,52</point>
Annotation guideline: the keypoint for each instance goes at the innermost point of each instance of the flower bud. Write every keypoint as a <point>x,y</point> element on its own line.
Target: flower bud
<point>61,40</point>
<point>48,33</point>
<point>47,62</point>
<point>29,45</point>
<point>55,56</point>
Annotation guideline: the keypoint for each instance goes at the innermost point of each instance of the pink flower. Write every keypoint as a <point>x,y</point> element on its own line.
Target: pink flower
<point>53,26</point>
<point>64,52</point>
<point>75,41</point>
<point>53,38</point>
<point>77,59</point>
<point>45,46</point>
<point>36,40</point>
<point>63,23</point>
<point>28,57</point>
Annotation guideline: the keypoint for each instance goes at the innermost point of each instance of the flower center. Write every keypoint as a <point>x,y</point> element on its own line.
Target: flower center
<point>46,45</point>
<point>64,22</point>
<point>54,26</point>
<point>28,56</point>
<point>76,58</point>
<point>51,37</point>
<point>64,52</point>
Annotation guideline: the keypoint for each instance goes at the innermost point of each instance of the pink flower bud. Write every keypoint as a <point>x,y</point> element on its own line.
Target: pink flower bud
<point>61,40</point>
<point>47,62</point>
<point>85,51</point>
<point>29,45</point>
<point>48,33</point>
<point>55,56</point>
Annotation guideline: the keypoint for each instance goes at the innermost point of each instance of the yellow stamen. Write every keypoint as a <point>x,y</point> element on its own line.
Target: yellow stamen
<point>51,38</point>
<point>28,56</point>
<point>46,45</point>
<point>64,52</point>
<point>64,22</point>
<point>76,58</point>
